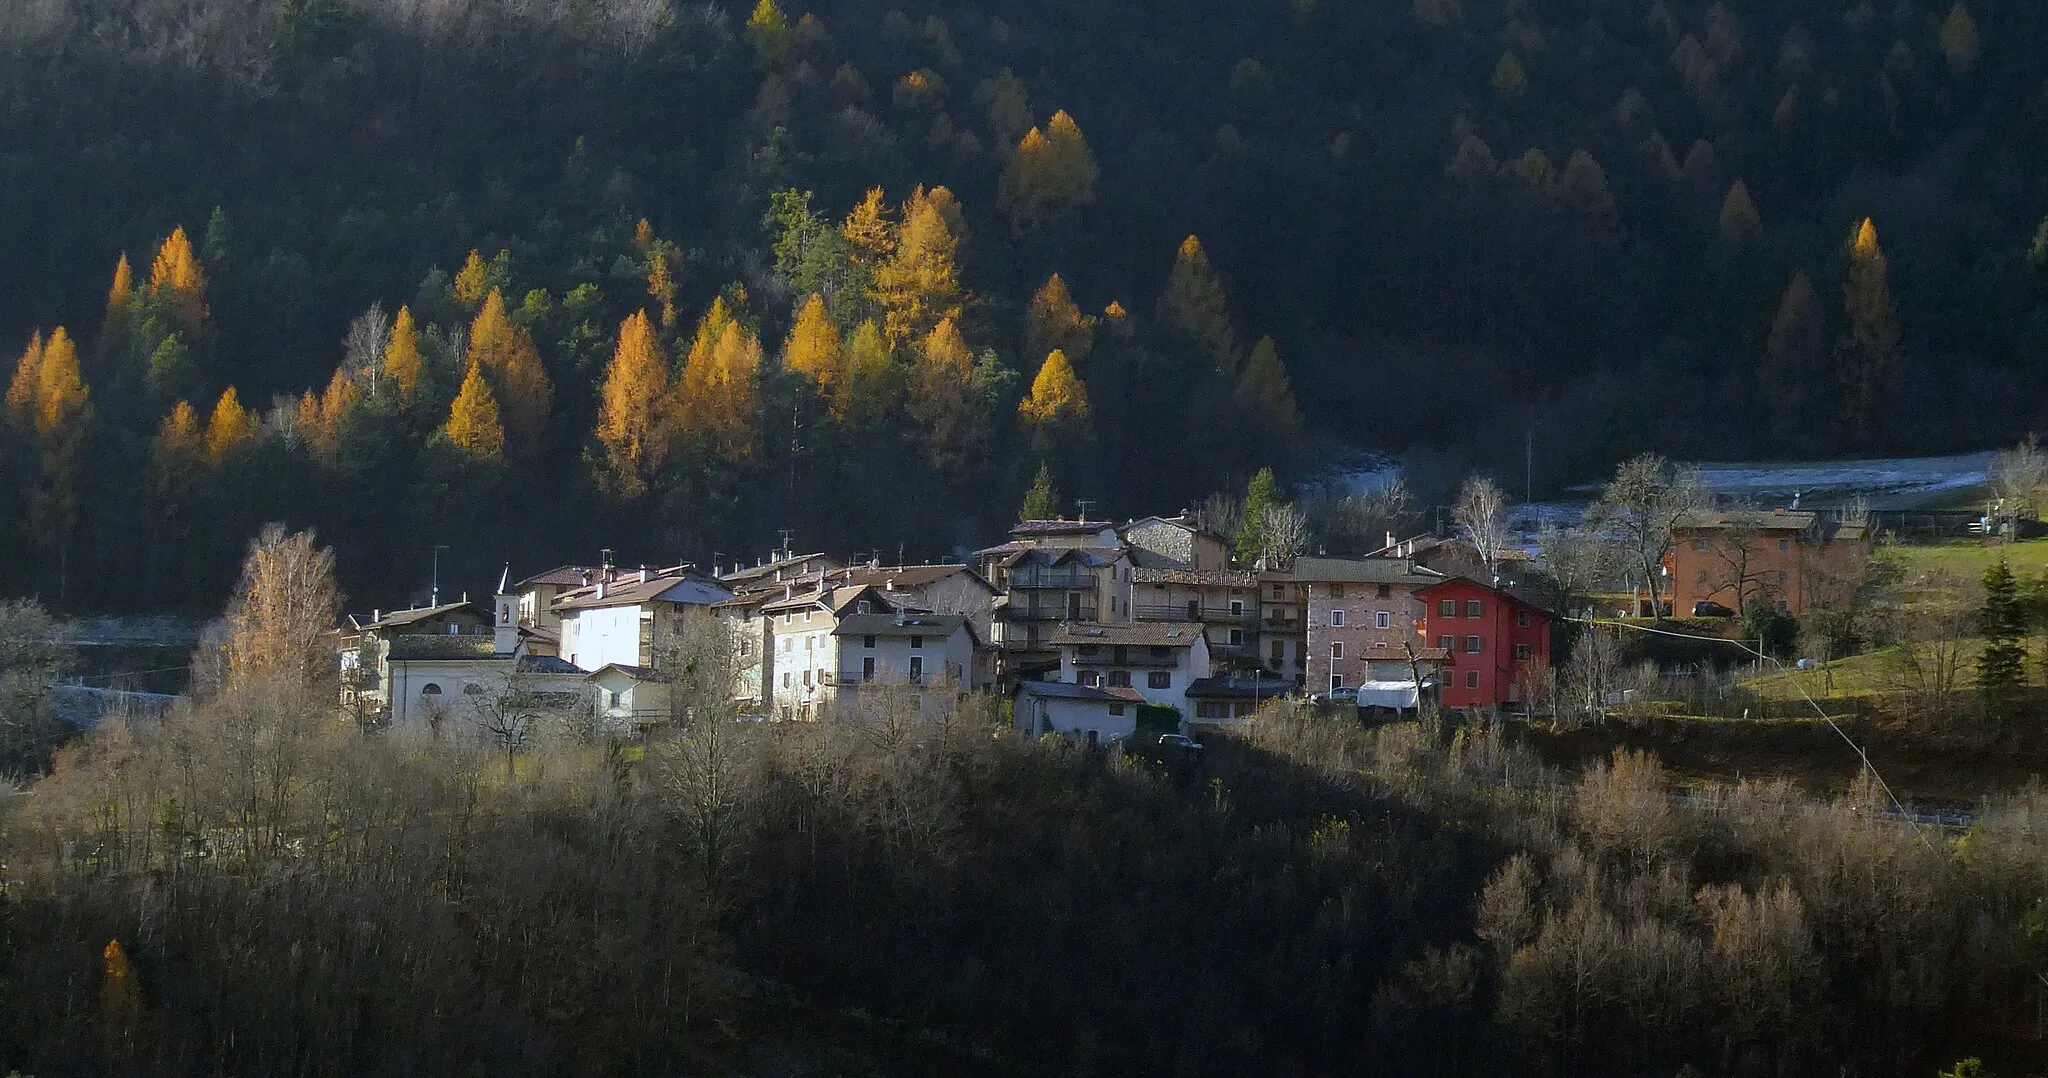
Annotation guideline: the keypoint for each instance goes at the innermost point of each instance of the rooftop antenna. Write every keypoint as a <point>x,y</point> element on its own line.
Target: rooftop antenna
<point>715,555</point>
<point>1082,505</point>
<point>785,533</point>
<point>434,594</point>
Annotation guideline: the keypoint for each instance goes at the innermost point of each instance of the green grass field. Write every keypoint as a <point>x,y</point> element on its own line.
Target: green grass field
<point>1968,559</point>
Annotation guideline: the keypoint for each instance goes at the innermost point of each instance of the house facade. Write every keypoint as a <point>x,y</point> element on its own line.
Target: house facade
<point>1791,559</point>
<point>1182,542</point>
<point>1498,644</point>
<point>1362,618</point>
<point>628,617</point>
<point>1157,659</point>
<point>1087,713</point>
<point>1225,601</point>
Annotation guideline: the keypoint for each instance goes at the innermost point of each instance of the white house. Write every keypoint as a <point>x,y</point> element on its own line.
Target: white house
<point>1083,712</point>
<point>624,617</point>
<point>822,647</point>
<point>629,698</point>
<point>1159,659</point>
<point>905,648</point>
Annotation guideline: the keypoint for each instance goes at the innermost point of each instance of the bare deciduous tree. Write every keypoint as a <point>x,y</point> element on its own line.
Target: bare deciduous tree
<point>34,651</point>
<point>1284,534</point>
<point>1640,508</point>
<point>2018,476</point>
<point>277,626</point>
<point>362,349</point>
<point>1482,510</point>
<point>1576,563</point>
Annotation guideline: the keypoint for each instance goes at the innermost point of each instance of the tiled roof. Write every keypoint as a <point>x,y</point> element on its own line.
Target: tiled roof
<point>567,576</point>
<point>1061,690</point>
<point>1157,634</point>
<point>908,576</point>
<point>638,673</point>
<point>1363,571</point>
<point>1030,528</point>
<point>436,648</point>
<point>739,579</point>
<point>933,625</point>
<point>1759,519</point>
<point>668,586</point>
<point>1514,595</point>
<point>399,619</point>
<point>546,664</point>
<point>1236,578</point>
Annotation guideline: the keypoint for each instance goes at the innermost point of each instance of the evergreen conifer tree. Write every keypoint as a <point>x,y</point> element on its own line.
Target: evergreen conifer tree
<point>2002,620</point>
<point>1041,502</point>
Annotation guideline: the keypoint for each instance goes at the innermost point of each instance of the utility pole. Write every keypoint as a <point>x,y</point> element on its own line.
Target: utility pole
<point>434,589</point>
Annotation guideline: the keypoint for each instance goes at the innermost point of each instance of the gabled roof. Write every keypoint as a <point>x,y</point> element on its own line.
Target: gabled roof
<point>1363,571</point>
<point>1499,592</point>
<point>1758,519</point>
<point>566,576</point>
<point>900,625</point>
<point>1239,688</point>
<point>399,619</point>
<point>763,574</point>
<point>546,664</point>
<point>677,585</point>
<point>1154,634</point>
<point>835,600</point>
<point>910,576</point>
<point>1040,528</point>
<point>637,673</point>
<point>1061,690</point>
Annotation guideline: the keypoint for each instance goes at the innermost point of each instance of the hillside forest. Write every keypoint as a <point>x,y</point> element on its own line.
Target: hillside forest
<point>528,278</point>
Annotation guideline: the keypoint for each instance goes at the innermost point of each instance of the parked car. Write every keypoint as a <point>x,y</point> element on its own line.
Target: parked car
<point>1346,695</point>
<point>1180,741</point>
<point>1708,608</point>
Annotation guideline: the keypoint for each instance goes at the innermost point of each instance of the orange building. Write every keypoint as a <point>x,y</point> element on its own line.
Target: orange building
<point>1790,558</point>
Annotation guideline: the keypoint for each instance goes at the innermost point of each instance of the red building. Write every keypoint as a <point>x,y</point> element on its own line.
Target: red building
<point>1499,645</point>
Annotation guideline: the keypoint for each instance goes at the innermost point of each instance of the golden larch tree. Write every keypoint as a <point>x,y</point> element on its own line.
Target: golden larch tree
<point>1534,170</point>
<point>1266,392</point>
<point>309,421</point>
<point>1473,161</point>
<point>340,399</point>
<point>26,384</point>
<point>177,279</point>
<point>643,236</point>
<point>231,428</point>
<point>1740,221</point>
<point>919,285</point>
<point>1057,395</point>
<point>1583,187</point>
<point>180,439</point>
<point>120,314</point>
<point>1053,321</point>
<point>61,393</point>
<point>813,347</point>
<point>661,284</point>
<point>519,384</point>
<point>474,425</point>
<point>768,30</point>
<point>871,385</point>
<point>1194,306</point>
<point>1867,356</point>
<point>472,281</point>
<point>1025,188</point>
<point>1959,40</point>
<point>1510,79</point>
<point>869,231</point>
<point>1009,105</point>
<point>695,388</point>
<point>630,407</point>
<point>403,363</point>
<point>942,398</point>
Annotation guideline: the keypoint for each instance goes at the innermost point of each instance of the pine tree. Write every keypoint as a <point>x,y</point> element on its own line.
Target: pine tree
<point>1058,396</point>
<point>402,361</point>
<point>231,428</point>
<point>813,347</point>
<point>1740,221</point>
<point>1510,79</point>
<point>1473,161</point>
<point>61,394</point>
<point>473,423</point>
<point>1583,188</point>
<point>1259,496</point>
<point>519,384</point>
<point>1054,322</point>
<point>2002,620</point>
<point>1794,354</point>
<point>472,281</point>
<point>869,388</point>
<point>1959,40</point>
<point>629,408</point>
<point>1009,105</point>
<point>1266,392</point>
<point>919,285</point>
<point>1867,356</point>
<point>768,30</point>
<point>177,279</point>
<point>1041,502</point>
<point>1194,306</point>
<point>1534,170</point>
<point>26,384</point>
<point>1786,115</point>
<point>942,399</point>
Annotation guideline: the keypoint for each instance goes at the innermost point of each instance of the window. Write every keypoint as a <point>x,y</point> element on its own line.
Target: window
<point>1276,591</point>
<point>1473,644</point>
<point>867,669</point>
<point>1237,608</point>
<point>807,679</point>
<point>1471,679</point>
<point>1336,681</point>
<point>1783,577</point>
<point>787,643</point>
<point>430,689</point>
<point>1784,546</point>
<point>472,689</point>
<point>916,642</point>
<point>1699,579</point>
<point>785,679</point>
<point>1382,620</point>
<point>1699,546</point>
<point>1336,619</point>
<point>867,641</point>
<point>916,669</point>
<point>1116,709</point>
<point>1194,609</point>
<point>808,641</point>
<point>1524,653</point>
<point>1337,651</point>
<point>1448,643</point>
<point>1447,608</point>
<point>613,697</point>
<point>1385,592</point>
<point>1159,679</point>
<point>1236,637</point>
<point>863,607</point>
<point>1522,619</point>
<point>1119,679</point>
<point>1475,609</point>
<point>1088,677</point>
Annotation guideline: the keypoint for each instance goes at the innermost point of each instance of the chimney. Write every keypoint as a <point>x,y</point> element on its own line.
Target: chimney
<point>1779,511</point>
<point>643,574</point>
<point>603,586</point>
<point>376,614</point>
<point>1390,539</point>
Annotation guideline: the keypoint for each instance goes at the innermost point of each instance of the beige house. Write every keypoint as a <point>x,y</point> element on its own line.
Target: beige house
<point>627,617</point>
<point>1182,542</point>
<point>1157,659</point>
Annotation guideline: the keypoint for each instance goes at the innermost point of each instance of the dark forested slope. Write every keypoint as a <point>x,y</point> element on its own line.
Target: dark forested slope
<point>1622,225</point>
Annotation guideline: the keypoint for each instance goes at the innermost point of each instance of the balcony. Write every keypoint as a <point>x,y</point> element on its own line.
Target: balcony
<point>1208,615</point>
<point>1073,612</point>
<point>1281,625</point>
<point>1051,579</point>
<point>1113,657</point>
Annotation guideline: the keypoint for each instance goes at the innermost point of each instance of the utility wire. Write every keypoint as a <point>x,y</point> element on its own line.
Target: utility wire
<point>1897,805</point>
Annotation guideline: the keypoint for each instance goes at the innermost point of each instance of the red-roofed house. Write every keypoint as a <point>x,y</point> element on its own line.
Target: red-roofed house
<point>1498,644</point>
